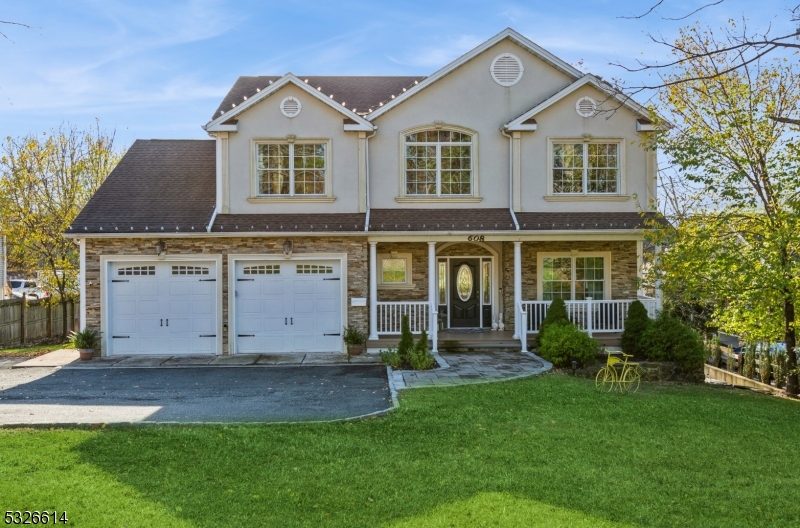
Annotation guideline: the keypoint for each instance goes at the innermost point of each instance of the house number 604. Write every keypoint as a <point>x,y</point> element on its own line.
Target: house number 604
<point>475,238</point>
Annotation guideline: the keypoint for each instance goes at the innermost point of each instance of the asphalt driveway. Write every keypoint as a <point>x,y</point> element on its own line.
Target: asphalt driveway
<point>203,394</point>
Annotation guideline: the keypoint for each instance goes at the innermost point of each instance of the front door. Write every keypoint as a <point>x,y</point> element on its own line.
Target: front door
<point>465,301</point>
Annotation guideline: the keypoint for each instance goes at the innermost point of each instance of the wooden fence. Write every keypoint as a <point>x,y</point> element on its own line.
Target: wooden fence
<point>32,320</point>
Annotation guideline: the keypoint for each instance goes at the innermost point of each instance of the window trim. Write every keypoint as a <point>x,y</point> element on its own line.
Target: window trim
<point>408,284</point>
<point>620,195</point>
<point>255,197</point>
<point>403,197</point>
<point>540,256</point>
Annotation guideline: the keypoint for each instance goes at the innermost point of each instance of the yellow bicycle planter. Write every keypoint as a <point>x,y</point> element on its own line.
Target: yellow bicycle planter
<point>619,373</point>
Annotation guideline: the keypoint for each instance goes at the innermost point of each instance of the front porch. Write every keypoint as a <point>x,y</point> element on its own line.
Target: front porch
<point>477,296</point>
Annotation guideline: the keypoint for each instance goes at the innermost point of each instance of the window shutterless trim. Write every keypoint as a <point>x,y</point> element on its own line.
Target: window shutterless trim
<point>474,164</point>
<point>408,284</point>
<point>256,197</point>
<point>594,140</point>
<point>540,256</point>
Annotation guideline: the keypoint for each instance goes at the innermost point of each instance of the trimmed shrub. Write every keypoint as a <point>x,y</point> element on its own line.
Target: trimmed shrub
<point>636,324</point>
<point>779,369</point>
<point>669,339</point>
<point>764,364</point>
<point>406,344</point>
<point>564,343</point>
<point>421,358</point>
<point>749,363</point>
<point>556,314</point>
<point>391,357</point>
<point>714,351</point>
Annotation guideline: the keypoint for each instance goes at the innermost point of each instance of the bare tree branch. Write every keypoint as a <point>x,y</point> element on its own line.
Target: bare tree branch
<point>16,24</point>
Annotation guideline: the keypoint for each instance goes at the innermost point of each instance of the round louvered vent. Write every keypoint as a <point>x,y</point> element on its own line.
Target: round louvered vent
<point>506,69</point>
<point>290,107</point>
<point>586,107</point>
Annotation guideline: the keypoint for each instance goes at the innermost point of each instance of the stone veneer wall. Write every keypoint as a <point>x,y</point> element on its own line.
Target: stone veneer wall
<point>624,280</point>
<point>419,272</point>
<point>356,248</point>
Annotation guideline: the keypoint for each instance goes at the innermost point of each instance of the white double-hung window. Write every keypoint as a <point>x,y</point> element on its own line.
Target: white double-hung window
<point>585,168</point>
<point>574,277</point>
<point>290,169</point>
<point>438,163</point>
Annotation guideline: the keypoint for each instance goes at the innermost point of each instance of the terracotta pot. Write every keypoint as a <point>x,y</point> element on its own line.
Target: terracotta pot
<point>86,353</point>
<point>355,350</point>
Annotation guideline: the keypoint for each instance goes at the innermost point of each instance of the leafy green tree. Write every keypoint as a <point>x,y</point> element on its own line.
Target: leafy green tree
<point>556,314</point>
<point>44,183</point>
<point>737,251</point>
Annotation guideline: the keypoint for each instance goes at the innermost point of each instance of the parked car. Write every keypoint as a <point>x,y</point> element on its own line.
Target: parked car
<point>28,287</point>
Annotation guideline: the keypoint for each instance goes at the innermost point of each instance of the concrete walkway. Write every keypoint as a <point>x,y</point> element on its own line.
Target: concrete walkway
<point>68,359</point>
<point>472,367</point>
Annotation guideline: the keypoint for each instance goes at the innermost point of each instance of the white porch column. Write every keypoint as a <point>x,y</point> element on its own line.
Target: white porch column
<point>373,290</point>
<point>517,286</point>
<point>433,326</point>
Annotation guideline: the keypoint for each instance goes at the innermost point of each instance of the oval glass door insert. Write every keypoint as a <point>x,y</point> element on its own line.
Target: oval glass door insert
<point>464,282</point>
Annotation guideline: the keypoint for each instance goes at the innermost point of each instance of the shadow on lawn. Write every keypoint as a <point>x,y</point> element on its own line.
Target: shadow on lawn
<point>548,449</point>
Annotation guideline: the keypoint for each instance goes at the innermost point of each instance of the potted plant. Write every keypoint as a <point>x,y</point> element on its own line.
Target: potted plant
<point>85,341</point>
<point>355,339</point>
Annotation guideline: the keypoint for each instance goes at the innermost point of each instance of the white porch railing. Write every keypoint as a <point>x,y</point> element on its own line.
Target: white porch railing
<point>390,316</point>
<point>607,316</point>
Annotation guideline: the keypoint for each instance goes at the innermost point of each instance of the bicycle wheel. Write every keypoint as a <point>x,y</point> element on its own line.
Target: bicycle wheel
<point>605,379</point>
<point>630,380</point>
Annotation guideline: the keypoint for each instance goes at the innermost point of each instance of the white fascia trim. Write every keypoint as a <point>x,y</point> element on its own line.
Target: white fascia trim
<point>506,33</point>
<point>215,124</point>
<point>516,124</point>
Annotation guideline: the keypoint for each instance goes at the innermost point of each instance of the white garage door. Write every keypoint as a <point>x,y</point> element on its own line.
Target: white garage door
<point>288,307</point>
<point>162,308</point>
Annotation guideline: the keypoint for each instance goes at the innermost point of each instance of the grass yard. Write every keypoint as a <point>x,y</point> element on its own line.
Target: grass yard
<point>31,351</point>
<point>547,451</point>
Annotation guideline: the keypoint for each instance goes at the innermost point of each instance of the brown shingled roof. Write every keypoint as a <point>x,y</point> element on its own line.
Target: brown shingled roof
<point>159,185</point>
<point>579,221</point>
<point>361,93</point>
<point>440,220</point>
<point>289,223</point>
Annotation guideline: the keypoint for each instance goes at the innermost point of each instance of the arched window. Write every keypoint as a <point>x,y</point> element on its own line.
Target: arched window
<point>438,163</point>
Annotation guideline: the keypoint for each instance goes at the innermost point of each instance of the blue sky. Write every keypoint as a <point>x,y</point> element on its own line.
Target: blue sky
<point>158,69</point>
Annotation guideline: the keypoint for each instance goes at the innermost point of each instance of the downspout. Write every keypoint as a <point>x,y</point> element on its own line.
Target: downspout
<point>511,177</point>
<point>366,153</point>
<point>211,223</point>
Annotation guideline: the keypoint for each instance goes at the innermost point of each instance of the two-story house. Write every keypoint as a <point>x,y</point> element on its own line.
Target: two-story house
<point>504,180</point>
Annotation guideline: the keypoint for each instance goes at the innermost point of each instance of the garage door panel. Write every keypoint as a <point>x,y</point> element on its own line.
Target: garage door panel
<point>297,293</point>
<point>202,307</point>
<point>152,295</point>
<point>303,287</point>
<point>148,288</point>
<point>121,307</point>
<point>302,306</point>
<point>199,287</point>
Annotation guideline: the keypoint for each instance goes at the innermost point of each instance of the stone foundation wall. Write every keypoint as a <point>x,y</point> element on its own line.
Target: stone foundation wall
<point>624,282</point>
<point>357,251</point>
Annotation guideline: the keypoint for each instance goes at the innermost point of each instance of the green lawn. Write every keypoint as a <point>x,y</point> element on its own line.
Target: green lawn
<point>546,451</point>
<point>31,351</point>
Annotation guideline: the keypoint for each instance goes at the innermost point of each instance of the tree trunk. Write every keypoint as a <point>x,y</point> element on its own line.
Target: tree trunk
<point>64,330</point>
<point>791,340</point>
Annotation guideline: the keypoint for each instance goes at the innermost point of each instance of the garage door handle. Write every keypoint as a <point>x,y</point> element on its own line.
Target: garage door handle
<point>119,280</point>
<point>291,320</point>
<point>208,280</point>
<point>167,322</point>
<point>245,335</point>
<point>161,323</point>
<point>121,337</point>
<point>337,278</point>
<point>331,334</point>
<point>208,335</point>
<point>285,320</point>
<point>244,280</point>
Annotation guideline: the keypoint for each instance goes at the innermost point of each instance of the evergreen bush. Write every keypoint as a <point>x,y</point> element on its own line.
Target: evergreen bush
<point>636,324</point>
<point>669,339</point>
<point>391,357</point>
<point>556,314</point>
<point>564,343</point>
<point>421,358</point>
<point>406,344</point>
<point>749,363</point>
<point>764,364</point>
